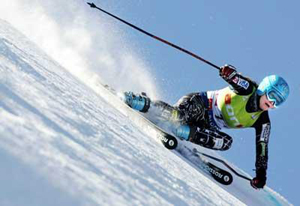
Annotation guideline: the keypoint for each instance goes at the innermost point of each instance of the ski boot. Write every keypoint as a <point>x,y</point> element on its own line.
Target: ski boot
<point>137,102</point>
<point>183,132</point>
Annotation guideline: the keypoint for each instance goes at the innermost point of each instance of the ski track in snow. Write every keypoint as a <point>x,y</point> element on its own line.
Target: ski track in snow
<point>64,143</point>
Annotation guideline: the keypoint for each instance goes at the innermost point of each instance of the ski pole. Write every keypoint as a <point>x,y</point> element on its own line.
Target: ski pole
<point>156,37</point>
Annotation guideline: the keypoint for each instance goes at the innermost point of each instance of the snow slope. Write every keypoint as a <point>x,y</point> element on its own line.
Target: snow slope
<point>64,143</point>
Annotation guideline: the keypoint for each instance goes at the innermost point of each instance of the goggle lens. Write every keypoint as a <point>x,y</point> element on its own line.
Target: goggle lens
<point>275,97</point>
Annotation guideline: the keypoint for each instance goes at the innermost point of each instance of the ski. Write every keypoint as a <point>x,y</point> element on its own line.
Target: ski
<point>169,141</point>
<point>221,176</point>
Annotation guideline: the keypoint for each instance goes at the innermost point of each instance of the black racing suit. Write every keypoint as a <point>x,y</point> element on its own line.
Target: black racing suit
<point>194,109</point>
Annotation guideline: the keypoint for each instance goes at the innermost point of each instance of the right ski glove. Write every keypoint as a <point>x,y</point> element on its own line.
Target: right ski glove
<point>259,181</point>
<point>228,72</point>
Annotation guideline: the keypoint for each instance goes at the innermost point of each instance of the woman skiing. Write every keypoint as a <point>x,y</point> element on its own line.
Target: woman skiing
<point>243,104</point>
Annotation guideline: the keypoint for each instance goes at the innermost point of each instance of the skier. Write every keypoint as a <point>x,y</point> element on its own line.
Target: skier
<point>243,104</point>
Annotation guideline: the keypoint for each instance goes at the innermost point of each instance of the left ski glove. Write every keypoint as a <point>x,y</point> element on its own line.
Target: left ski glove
<point>259,181</point>
<point>228,72</point>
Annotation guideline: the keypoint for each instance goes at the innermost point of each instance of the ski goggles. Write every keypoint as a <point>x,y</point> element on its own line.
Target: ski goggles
<point>275,97</point>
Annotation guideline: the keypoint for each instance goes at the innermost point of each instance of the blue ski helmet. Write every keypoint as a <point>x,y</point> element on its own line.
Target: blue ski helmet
<point>276,89</point>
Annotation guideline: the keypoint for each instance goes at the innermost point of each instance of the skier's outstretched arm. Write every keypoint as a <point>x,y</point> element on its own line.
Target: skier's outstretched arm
<point>263,129</point>
<point>242,85</point>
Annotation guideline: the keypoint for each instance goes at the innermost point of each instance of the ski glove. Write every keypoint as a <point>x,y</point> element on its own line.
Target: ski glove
<point>228,72</point>
<point>259,181</point>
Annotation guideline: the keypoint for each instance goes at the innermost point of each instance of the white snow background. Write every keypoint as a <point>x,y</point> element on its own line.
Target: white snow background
<point>64,143</point>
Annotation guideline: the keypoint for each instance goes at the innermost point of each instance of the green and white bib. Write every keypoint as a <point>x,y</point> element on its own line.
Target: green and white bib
<point>230,109</point>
